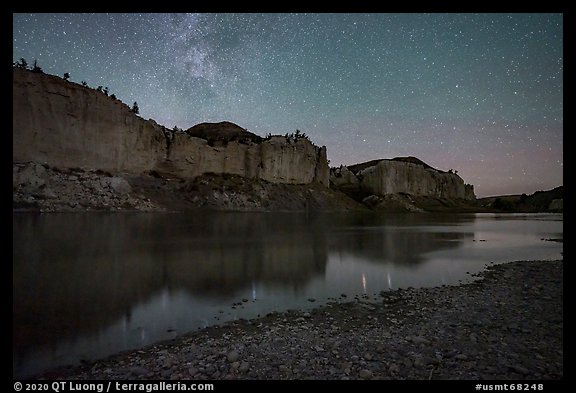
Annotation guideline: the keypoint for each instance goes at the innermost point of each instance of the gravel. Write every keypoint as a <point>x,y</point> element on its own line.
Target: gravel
<point>38,187</point>
<point>507,325</point>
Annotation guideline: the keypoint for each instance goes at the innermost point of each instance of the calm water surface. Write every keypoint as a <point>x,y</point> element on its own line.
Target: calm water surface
<point>89,285</point>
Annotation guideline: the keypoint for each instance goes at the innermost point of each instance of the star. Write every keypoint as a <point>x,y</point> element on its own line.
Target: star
<point>481,93</point>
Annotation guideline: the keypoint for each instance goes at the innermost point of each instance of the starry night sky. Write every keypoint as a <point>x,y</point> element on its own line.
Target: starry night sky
<point>479,93</point>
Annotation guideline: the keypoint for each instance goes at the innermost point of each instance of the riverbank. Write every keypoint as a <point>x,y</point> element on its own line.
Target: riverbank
<point>507,325</point>
<point>41,188</point>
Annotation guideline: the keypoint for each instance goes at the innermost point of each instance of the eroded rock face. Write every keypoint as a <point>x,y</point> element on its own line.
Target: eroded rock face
<point>469,192</point>
<point>65,125</point>
<point>386,177</point>
<point>293,161</point>
<point>391,177</point>
<point>277,160</point>
<point>343,176</point>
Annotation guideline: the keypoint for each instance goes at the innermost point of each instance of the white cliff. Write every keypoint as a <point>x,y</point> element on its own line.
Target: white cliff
<point>64,124</point>
<point>403,175</point>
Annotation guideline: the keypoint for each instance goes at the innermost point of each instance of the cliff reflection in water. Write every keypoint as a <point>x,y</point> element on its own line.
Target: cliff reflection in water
<point>77,274</point>
<point>401,239</point>
<point>80,271</point>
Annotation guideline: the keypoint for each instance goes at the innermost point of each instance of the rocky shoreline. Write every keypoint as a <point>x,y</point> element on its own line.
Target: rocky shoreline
<point>42,188</point>
<point>506,325</point>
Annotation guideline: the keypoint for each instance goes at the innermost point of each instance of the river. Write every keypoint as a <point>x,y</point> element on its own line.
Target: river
<point>87,285</point>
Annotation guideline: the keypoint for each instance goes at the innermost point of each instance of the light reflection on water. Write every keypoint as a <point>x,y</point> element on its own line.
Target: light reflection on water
<point>89,285</point>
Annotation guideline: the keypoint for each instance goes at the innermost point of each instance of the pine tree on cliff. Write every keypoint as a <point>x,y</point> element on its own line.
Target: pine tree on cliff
<point>135,108</point>
<point>66,76</point>
<point>37,68</point>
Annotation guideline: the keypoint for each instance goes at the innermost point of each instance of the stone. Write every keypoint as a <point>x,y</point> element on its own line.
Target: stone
<point>365,374</point>
<point>519,369</point>
<point>420,340</point>
<point>418,361</point>
<point>104,183</point>
<point>138,371</point>
<point>283,368</point>
<point>371,201</point>
<point>49,193</point>
<point>31,176</point>
<point>120,186</point>
<point>233,356</point>
<point>96,186</point>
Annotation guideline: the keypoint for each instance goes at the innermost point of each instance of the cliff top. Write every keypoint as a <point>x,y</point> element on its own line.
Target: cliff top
<point>413,160</point>
<point>224,131</point>
<point>416,161</point>
<point>46,81</point>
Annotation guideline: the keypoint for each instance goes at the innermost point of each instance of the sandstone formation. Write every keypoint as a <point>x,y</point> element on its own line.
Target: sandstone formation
<point>63,124</point>
<point>277,160</point>
<point>77,148</point>
<point>66,125</point>
<point>402,175</point>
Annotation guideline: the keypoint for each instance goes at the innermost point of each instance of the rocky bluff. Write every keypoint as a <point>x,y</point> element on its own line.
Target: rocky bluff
<point>407,175</point>
<point>76,148</point>
<point>65,125</point>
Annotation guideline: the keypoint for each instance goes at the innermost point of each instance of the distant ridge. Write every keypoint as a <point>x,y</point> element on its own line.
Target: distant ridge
<point>540,201</point>
<point>224,131</point>
<point>413,160</point>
